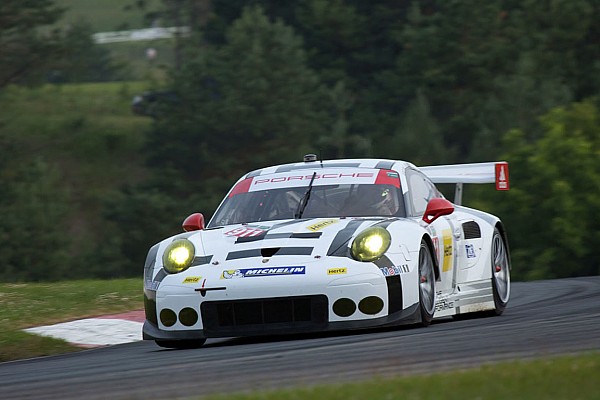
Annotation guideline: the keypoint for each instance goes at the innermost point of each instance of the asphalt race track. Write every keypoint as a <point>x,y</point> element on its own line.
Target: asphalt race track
<point>542,318</point>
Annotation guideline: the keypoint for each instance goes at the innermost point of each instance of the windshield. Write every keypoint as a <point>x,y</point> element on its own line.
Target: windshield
<point>326,201</point>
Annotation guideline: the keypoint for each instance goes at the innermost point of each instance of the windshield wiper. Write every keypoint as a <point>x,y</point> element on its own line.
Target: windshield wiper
<point>304,200</point>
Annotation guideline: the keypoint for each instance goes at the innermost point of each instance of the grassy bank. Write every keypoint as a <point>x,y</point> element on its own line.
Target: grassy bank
<point>108,15</point>
<point>567,377</point>
<point>33,304</point>
<point>89,145</point>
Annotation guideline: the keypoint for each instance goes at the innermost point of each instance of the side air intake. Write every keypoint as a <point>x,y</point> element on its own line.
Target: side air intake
<point>471,230</point>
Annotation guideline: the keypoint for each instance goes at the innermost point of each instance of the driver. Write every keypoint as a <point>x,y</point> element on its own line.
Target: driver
<point>372,200</point>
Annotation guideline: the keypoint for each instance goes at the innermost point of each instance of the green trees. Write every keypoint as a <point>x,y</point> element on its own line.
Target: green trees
<point>241,103</point>
<point>82,60</point>
<point>550,210</point>
<point>435,81</point>
<point>487,68</point>
<point>32,51</point>
<point>24,50</point>
<point>33,232</point>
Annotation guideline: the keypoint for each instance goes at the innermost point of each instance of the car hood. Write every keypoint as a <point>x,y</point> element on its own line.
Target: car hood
<point>307,237</point>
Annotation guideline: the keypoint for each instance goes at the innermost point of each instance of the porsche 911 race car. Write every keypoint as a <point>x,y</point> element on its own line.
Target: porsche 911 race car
<point>329,245</point>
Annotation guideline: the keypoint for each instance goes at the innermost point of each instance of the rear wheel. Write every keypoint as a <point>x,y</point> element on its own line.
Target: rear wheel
<point>500,272</point>
<point>426,285</point>
<point>181,344</point>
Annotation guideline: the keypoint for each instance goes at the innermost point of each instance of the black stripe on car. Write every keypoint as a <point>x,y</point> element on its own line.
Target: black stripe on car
<point>386,223</point>
<point>286,223</point>
<point>394,287</point>
<point>287,235</point>
<point>252,174</point>
<point>201,260</point>
<point>160,275</point>
<point>288,168</point>
<point>385,164</point>
<point>384,262</point>
<point>337,248</point>
<point>150,261</point>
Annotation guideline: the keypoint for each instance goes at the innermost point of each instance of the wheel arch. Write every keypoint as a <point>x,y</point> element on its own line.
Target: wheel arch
<point>500,226</point>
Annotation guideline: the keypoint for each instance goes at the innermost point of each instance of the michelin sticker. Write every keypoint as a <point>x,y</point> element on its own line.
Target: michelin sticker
<point>252,272</point>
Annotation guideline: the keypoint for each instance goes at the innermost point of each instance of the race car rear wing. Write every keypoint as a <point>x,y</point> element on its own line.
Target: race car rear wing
<point>489,172</point>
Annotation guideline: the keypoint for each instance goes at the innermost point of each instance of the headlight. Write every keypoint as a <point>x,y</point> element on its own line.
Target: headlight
<point>178,256</point>
<point>370,244</point>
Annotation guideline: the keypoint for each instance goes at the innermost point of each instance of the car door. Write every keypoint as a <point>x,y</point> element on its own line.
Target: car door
<point>442,230</point>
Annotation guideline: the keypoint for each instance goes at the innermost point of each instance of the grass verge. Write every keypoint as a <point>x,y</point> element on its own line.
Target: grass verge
<point>565,377</point>
<point>26,305</point>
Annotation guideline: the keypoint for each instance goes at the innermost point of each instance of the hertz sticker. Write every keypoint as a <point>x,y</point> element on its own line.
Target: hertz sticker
<point>192,279</point>
<point>337,271</point>
<point>320,225</point>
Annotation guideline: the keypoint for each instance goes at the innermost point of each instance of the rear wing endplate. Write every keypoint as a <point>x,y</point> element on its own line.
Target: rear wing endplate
<point>459,174</point>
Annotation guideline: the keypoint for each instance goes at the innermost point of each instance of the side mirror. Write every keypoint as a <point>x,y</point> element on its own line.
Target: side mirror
<point>436,208</point>
<point>194,222</point>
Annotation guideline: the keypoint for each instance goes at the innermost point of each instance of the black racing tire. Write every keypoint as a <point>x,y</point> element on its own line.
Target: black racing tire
<point>500,259</point>
<point>181,344</point>
<point>426,284</point>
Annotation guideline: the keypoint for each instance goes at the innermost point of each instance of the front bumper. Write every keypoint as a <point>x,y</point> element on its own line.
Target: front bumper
<point>409,315</point>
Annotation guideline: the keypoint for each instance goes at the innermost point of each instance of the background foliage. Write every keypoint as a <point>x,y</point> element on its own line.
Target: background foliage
<point>261,82</point>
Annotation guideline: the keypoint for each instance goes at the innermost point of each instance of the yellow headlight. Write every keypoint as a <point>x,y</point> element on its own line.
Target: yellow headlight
<point>178,256</point>
<point>371,244</point>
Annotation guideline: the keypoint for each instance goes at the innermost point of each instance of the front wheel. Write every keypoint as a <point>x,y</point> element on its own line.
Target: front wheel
<point>426,285</point>
<point>500,272</point>
<point>181,344</point>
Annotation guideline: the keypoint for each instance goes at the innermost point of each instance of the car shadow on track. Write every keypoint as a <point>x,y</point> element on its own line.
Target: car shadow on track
<point>264,339</point>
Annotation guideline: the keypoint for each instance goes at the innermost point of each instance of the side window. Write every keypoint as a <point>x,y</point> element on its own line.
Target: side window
<point>421,190</point>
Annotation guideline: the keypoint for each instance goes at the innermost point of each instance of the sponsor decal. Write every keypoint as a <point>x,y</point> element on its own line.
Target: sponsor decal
<point>246,231</point>
<point>432,230</point>
<point>436,246</point>
<point>447,241</point>
<point>337,271</point>
<point>395,270</point>
<point>444,304</point>
<point>192,279</point>
<point>252,272</point>
<point>321,224</point>
<point>470,251</point>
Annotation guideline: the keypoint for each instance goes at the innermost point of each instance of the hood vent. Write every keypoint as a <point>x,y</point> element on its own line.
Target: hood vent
<point>269,252</point>
<point>288,235</point>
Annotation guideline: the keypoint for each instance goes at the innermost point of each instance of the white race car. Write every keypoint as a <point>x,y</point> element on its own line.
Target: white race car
<point>329,245</point>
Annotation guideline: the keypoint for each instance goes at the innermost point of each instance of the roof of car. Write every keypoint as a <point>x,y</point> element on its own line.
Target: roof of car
<point>341,163</point>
